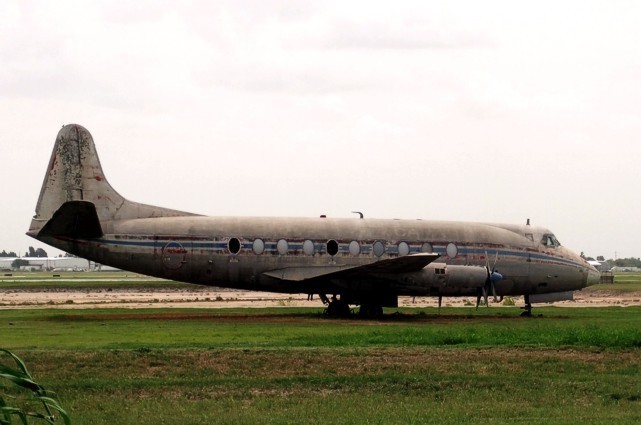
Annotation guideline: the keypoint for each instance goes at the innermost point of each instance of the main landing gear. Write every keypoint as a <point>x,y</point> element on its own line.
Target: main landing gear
<point>336,307</point>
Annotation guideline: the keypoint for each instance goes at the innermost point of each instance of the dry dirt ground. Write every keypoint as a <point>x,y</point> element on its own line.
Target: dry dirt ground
<point>208,297</point>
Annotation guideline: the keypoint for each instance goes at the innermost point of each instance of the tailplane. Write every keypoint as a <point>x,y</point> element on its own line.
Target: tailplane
<point>76,198</point>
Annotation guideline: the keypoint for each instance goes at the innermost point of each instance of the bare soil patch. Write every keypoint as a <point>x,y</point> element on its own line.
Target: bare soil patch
<point>210,297</point>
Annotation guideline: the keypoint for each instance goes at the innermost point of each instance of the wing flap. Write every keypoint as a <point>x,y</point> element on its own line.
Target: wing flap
<point>298,274</point>
<point>406,264</point>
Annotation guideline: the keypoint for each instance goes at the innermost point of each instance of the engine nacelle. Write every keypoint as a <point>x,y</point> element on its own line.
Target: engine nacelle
<point>440,275</point>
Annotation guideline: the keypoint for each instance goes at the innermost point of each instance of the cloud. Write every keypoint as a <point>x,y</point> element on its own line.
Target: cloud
<point>371,95</point>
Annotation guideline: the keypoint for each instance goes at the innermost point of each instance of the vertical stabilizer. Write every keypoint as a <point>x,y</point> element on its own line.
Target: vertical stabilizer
<point>74,175</point>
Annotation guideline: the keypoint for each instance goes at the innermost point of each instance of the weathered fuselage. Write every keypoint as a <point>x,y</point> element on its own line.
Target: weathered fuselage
<point>236,252</point>
<point>360,259</point>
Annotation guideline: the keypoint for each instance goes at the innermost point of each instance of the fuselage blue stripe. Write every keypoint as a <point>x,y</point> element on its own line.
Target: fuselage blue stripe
<point>344,248</point>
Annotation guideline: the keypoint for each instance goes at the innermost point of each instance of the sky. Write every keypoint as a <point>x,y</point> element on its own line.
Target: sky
<point>493,111</point>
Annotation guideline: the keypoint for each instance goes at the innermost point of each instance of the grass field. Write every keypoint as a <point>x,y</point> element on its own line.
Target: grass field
<point>623,282</point>
<point>293,365</point>
<point>84,280</point>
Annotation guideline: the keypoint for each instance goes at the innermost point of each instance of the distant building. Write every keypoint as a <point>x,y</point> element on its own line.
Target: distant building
<point>625,269</point>
<point>602,266</point>
<point>48,263</point>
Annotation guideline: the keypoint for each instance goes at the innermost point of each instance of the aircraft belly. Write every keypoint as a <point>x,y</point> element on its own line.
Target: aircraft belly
<point>560,278</point>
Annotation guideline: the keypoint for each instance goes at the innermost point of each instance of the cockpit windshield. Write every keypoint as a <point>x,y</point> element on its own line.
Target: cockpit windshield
<point>550,240</point>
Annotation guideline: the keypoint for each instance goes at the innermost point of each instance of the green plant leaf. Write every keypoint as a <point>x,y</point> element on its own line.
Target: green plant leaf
<point>20,377</point>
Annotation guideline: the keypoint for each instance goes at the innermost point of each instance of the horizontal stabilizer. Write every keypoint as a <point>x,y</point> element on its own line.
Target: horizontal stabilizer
<point>406,264</point>
<point>75,220</point>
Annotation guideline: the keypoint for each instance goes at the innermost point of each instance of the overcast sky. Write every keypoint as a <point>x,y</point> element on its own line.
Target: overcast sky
<point>492,111</point>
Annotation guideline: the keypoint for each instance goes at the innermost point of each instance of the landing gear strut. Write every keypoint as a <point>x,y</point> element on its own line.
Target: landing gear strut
<point>336,307</point>
<point>528,307</point>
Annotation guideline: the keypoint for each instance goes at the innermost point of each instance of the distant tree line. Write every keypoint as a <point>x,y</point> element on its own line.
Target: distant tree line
<point>19,262</point>
<point>625,262</point>
<point>39,253</point>
<point>33,253</point>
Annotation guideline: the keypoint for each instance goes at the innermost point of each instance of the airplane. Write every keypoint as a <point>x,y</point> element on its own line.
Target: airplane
<point>346,261</point>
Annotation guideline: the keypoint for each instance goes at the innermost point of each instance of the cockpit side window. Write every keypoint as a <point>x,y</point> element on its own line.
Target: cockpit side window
<point>550,240</point>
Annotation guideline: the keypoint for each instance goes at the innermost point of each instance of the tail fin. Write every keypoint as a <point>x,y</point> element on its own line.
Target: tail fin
<point>75,190</point>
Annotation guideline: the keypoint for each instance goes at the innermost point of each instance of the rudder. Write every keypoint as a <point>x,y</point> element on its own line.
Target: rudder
<point>74,174</point>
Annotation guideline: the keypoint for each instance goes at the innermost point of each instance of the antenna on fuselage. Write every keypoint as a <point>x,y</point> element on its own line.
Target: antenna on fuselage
<point>528,222</point>
<point>359,213</point>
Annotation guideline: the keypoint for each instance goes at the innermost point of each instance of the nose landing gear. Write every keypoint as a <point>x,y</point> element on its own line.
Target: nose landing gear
<point>527,310</point>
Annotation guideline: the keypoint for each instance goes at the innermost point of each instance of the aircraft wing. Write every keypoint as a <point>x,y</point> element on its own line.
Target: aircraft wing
<point>406,264</point>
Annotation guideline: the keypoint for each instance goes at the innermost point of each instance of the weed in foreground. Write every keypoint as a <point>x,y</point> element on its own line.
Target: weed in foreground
<point>31,400</point>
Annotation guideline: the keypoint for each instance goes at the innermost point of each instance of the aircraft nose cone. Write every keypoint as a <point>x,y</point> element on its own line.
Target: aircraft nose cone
<point>594,277</point>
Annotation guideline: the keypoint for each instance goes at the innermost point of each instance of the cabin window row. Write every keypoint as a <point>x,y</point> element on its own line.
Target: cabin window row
<point>332,247</point>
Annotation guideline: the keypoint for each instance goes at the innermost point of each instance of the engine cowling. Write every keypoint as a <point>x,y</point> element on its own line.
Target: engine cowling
<point>440,276</point>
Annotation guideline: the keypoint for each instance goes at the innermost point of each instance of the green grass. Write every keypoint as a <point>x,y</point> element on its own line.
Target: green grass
<point>299,327</point>
<point>26,401</point>
<point>84,281</point>
<point>292,365</point>
<point>623,283</point>
<point>363,385</point>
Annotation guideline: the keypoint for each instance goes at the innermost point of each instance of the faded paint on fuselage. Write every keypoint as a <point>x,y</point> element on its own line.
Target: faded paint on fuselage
<point>221,251</point>
<point>524,263</point>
